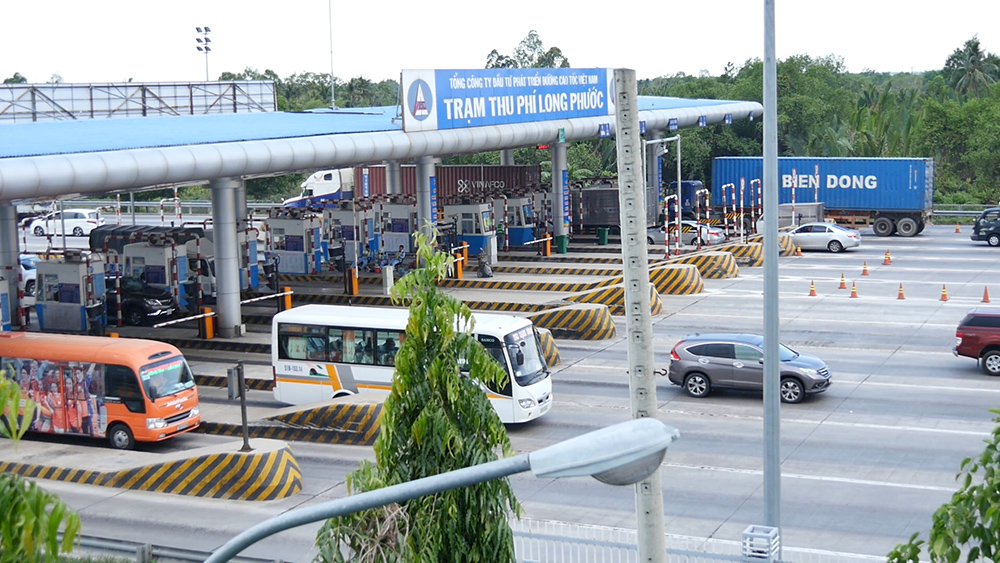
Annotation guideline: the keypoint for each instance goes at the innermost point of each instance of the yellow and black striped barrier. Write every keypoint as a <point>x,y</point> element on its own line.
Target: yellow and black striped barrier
<point>749,254</point>
<point>498,285</point>
<point>584,321</point>
<point>220,382</point>
<point>676,279</point>
<point>286,433</point>
<point>655,304</point>
<point>557,271</point>
<point>711,265</point>
<point>498,307</point>
<point>359,422</point>
<point>785,245</point>
<point>549,349</point>
<point>263,474</point>
<point>614,298</point>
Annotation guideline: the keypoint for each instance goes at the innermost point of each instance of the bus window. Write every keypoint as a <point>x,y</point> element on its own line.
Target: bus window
<point>335,339</point>
<point>363,344</point>
<point>495,348</point>
<point>166,377</point>
<point>523,349</point>
<point>387,342</point>
<point>121,384</point>
<point>298,342</point>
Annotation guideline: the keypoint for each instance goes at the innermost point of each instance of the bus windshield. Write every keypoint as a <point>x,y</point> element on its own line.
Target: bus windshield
<point>525,358</point>
<point>166,377</point>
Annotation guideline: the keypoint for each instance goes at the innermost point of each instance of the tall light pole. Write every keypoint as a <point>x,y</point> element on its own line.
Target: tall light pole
<point>203,42</point>
<point>333,100</point>
<point>622,454</point>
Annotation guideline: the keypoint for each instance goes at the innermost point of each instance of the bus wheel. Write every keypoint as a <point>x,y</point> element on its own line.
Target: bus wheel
<point>120,437</point>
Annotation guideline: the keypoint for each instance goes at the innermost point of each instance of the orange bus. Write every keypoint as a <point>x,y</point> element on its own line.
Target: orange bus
<point>126,390</point>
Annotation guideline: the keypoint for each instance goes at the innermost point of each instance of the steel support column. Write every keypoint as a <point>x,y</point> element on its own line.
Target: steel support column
<point>654,177</point>
<point>507,157</point>
<point>393,177</point>
<point>426,209</point>
<point>559,226</point>
<point>229,316</point>
<point>9,258</point>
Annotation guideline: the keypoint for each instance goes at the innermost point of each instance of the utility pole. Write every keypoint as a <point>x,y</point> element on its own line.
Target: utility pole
<point>638,321</point>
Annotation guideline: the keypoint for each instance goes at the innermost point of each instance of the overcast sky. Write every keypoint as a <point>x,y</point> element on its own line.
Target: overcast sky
<point>114,40</point>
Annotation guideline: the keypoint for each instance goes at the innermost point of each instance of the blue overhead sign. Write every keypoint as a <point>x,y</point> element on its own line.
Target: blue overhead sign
<point>453,99</point>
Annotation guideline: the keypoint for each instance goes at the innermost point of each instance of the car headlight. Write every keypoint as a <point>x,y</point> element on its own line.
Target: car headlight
<point>152,423</point>
<point>151,302</point>
<point>810,372</point>
<point>526,403</point>
<point>195,411</point>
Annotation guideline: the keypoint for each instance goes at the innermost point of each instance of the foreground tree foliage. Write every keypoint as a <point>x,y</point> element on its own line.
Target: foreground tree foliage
<point>31,517</point>
<point>436,419</point>
<point>969,525</point>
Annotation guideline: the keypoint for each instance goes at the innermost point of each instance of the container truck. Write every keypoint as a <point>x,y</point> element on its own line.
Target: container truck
<point>893,195</point>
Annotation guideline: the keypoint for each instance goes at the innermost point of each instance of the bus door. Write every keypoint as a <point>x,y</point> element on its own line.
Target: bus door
<point>500,397</point>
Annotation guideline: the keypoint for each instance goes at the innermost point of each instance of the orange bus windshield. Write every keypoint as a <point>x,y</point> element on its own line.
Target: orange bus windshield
<point>166,377</point>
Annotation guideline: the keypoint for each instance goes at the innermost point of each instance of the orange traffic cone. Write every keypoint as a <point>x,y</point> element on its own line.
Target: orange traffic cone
<point>864,271</point>
<point>798,250</point>
<point>854,290</point>
<point>958,229</point>
<point>887,260</point>
<point>843,282</point>
<point>901,296</point>
<point>944,293</point>
<point>812,289</point>
<point>986,295</point>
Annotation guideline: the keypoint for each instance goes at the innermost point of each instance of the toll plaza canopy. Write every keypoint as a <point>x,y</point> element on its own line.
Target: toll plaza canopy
<point>45,160</point>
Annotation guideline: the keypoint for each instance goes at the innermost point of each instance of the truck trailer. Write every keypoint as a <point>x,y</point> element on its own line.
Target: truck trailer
<point>893,195</point>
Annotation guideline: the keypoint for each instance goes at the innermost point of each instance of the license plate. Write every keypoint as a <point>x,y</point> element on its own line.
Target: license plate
<point>182,426</point>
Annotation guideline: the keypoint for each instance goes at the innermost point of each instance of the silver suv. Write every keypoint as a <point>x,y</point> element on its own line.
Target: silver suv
<point>702,362</point>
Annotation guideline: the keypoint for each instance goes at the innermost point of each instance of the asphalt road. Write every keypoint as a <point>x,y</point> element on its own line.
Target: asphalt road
<point>864,465</point>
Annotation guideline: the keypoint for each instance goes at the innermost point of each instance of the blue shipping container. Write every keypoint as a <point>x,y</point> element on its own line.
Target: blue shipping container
<point>849,184</point>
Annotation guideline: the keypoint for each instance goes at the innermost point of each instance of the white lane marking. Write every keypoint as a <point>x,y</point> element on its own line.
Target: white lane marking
<point>815,478</point>
<point>934,387</point>
<point>852,321</point>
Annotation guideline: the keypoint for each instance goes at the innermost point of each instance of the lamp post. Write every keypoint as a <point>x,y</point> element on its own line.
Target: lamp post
<point>621,454</point>
<point>203,42</point>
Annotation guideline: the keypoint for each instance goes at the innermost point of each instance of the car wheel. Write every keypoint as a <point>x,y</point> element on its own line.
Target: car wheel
<point>993,240</point>
<point>835,246</point>
<point>29,288</point>
<point>78,231</point>
<point>649,240</point>
<point>134,316</point>
<point>883,227</point>
<point>120,437</point>
<point>791,390</point>
<point>39,231</point>
<point>697,385</point>
<point>991,362</point>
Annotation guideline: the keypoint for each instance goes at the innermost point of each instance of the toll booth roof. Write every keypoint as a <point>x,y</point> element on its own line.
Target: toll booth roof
<point>100,135</point>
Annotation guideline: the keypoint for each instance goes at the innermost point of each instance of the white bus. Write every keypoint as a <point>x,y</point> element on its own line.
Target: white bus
<point>323,351</point>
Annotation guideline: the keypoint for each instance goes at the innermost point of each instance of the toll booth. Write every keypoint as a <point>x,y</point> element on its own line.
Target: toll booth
<point>160,262</point>
<point>519,221</point>
<point>351,226</point>
<point>70,293</point>
<point>294,240</point>
<point>475,226</point>
<point>395,224</point>
<point>5,323</point>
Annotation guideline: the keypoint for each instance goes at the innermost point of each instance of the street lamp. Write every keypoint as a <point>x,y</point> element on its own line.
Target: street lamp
<point>622,454</point>
<point>203,42</point>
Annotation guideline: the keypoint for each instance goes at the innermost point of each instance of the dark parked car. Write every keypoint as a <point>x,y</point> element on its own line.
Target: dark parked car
<point>142,304</point>
<point>978,336</point>
<point>702,362</point>
<point>987,227</point>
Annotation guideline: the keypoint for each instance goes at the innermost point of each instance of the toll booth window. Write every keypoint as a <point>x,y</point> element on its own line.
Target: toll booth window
<point>528,217</point>
<point>487,221</point>
<point>388,343</point>
<point>121,383</point>
<point>468,223</point>
<point>278,239</point>
<point>50,287</point>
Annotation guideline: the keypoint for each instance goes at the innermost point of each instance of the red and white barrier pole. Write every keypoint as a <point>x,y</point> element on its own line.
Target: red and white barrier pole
<point>795,181</point>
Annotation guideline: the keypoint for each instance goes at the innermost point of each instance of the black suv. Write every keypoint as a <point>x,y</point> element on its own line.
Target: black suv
<point>987,227</point>
<point>142,304</point>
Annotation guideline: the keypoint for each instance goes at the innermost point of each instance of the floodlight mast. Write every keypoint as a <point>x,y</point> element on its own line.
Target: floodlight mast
<point>203,47</point>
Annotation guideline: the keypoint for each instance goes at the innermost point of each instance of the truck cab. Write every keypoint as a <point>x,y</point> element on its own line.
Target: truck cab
<point>987,227</point>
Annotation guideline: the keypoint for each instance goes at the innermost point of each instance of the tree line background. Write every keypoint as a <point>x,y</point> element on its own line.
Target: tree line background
<point>951,115</point>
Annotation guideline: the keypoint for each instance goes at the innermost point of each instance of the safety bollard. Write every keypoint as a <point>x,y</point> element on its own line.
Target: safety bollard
<point>351,282</point>
<point>206,325</point>
<point>547,246</point>
<point>285,301</point>
<point>458,265</point>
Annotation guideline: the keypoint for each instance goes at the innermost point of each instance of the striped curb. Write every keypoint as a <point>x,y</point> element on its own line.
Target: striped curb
<point>221,382</point>
<point>584,321</point>
<point>289,434</point>
<point>655,304</point>
<point>677,279</point>
<point>361,419</point>
<point>549,349</point>
<point>785,245</point>
<point>495,285</point>
<point>557,271</point>
<point>711,265</point>
<point>236,476</point>
<point>749,254</point>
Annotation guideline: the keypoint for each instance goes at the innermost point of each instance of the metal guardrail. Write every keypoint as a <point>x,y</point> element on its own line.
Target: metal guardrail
<point>147,553</point>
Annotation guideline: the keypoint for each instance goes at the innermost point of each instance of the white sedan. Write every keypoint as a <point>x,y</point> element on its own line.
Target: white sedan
<point>825,236</point>
<point>709,234</point>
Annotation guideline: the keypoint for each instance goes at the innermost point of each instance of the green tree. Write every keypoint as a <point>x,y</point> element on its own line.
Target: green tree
<point>436,419</point>
<point>968,523</point>
<point>31,516</point>
<point>529,53</point>
<point>971,69</point>
<point>16,79</point>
